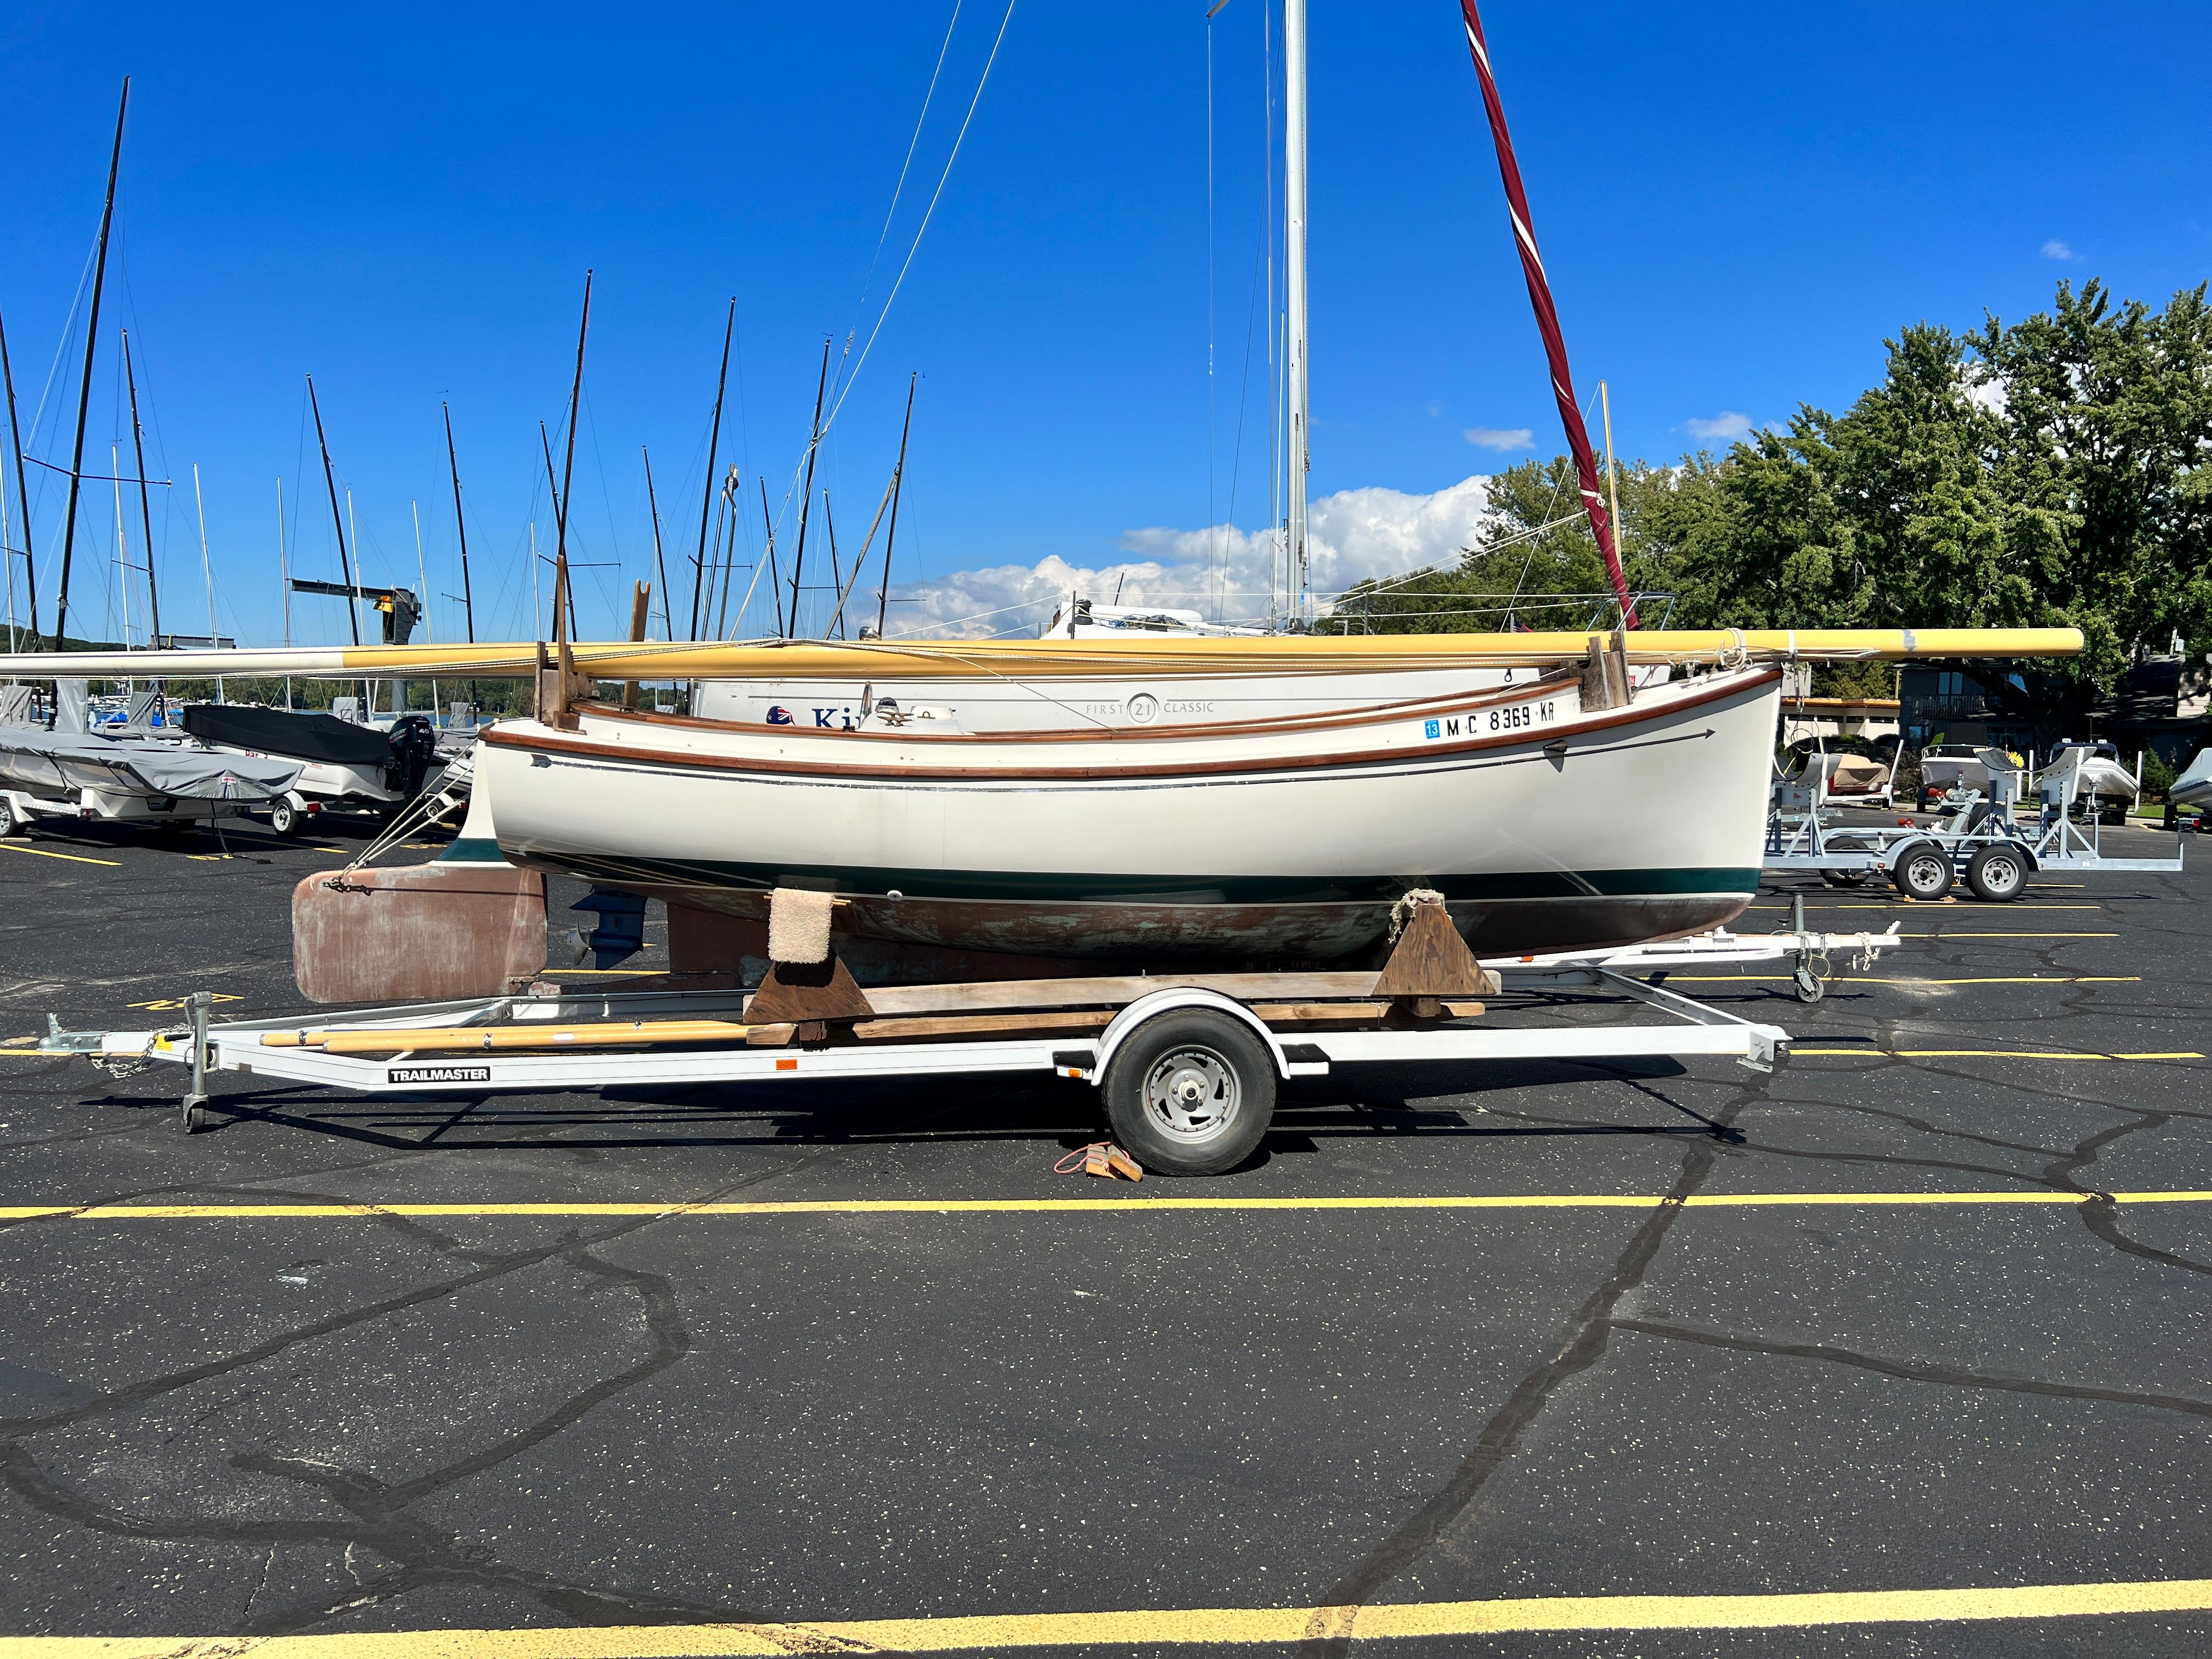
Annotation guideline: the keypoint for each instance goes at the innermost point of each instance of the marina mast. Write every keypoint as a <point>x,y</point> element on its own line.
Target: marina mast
<point>84,391</point>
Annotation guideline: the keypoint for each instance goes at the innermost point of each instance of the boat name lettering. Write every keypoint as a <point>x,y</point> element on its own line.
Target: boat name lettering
<point>1187,708</point>
<point>437,1074</point>
<point>1513,717</point>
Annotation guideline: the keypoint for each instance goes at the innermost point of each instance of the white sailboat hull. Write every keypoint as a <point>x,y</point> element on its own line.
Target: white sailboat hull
<point>1544,827</point>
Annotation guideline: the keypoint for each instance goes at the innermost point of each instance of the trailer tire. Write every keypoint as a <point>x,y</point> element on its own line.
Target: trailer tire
<point>1190,1092</point>
<point>284,818</point>
<point>1923,871</point>
<point>1996,874</point>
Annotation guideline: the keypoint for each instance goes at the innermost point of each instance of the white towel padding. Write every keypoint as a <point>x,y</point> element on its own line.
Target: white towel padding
<point>798,925</point>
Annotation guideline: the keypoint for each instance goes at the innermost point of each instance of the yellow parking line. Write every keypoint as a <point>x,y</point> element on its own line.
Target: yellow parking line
<point>1942,936</point>
<point>1035,1206</point>
<point>1897,904</point>
<point>1995,1054</point>
<point>1176,1626</point>
<point>74,858</point>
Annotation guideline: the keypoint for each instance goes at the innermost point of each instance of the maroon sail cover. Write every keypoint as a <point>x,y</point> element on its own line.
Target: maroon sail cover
<point>1548,316</point>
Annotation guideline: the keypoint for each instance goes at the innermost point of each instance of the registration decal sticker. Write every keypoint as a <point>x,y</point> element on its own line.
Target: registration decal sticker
<point>1487,722</point>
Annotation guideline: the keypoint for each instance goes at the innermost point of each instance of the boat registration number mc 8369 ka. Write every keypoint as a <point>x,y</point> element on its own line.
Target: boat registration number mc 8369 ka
<point>1483,722</point>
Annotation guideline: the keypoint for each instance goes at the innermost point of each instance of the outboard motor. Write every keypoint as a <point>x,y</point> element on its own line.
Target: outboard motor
<point>414,751</point>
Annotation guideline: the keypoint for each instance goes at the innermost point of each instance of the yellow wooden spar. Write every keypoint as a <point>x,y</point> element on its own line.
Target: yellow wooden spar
<point>1163,656</point>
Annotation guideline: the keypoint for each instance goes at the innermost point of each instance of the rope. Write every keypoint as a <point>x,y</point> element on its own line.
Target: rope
<point>891,298</point>
<point>1401,913</point>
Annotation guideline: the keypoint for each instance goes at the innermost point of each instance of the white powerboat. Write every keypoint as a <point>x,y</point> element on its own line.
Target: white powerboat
<point>2091,769</point>
<point>341,763</point>
<point>1948,766</point>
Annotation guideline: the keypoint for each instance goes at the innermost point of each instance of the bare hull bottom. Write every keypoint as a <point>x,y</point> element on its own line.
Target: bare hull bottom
<point>1340,930</point>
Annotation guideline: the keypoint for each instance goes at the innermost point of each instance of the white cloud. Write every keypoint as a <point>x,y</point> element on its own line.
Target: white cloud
<point>1503,439</point>
<point>1350,536</point>
<point>2055,249</point>
<point>1987,390</point>
<point>1726,424</point>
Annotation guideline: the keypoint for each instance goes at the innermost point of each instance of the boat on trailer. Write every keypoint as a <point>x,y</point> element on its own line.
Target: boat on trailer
<point>1548,818</point>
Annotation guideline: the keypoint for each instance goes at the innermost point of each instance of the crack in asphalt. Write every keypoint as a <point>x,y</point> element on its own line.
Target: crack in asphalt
<point>1911,1370</point>
<point>1584,1346</point>
<point>381,1521</point>
<point>1586,1342</point>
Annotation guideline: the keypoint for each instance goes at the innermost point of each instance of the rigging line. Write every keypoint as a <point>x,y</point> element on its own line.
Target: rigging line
<point>62,346</point>
<point>955,621</point>
<point>1244,389</point>
<point>899,190</point>
<point>921,230</point>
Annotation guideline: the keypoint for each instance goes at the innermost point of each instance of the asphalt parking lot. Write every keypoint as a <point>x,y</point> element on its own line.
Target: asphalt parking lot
<point>1903,1349</point>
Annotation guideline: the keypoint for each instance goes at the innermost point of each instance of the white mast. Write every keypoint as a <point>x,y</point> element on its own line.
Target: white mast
<point>284,579</point>
<point>1294,288</point>
<point>122,543</point>
<point>207,573</point>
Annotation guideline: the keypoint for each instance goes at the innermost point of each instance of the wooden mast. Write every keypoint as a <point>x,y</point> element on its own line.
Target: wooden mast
<point>84,391</point>
<point>713,452</point>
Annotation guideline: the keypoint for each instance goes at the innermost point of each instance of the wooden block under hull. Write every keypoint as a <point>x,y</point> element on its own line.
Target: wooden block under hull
<point>418,933</point>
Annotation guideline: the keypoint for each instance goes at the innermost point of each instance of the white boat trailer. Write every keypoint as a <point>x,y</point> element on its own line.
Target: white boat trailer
<point>1188,1066</point>
<point>1979,842</point>
<point>21,808</point>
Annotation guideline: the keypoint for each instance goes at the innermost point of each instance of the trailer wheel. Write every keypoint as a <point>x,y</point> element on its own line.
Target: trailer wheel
<point>1996,874</point>
<point>1190,1092</point>
<point>284,818</point>
<point>1923,871</point>
<point>1845,877</point>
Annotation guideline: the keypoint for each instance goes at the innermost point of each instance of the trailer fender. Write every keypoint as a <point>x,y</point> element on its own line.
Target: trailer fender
<point>1123,1024</point>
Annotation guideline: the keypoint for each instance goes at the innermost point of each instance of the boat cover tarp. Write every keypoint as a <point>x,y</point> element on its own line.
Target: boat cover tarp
<point>307,737</point>
<point>2194,786</point>
<point>61,763</point>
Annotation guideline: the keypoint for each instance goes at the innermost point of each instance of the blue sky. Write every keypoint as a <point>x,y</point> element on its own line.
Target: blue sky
<point>1736,204</point>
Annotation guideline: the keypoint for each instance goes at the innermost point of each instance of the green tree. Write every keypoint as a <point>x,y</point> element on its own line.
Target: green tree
<point>2103,472</point>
